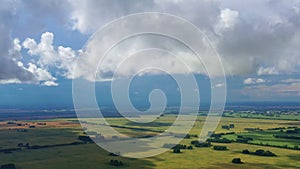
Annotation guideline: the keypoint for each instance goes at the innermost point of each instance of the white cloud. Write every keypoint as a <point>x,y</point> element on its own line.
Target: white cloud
<point>254,81</point>
<point>228,20</point>
<point>39,73</point>
<point>9,48</point>
<point>87,16</point>
<point>245,38</point>
<point>17,46</point>
<point>45,49</point>
<point>50,83</point>
<point>248,35</point>
<point>220,85</point>
<point>46,55</point>
<point>31,45</point>
<point>67,60</point>
<point>267,71</point>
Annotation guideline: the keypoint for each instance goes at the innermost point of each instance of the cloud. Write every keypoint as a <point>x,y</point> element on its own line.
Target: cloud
<point>253,81</point>
<point>87,16</point>
<point>255,36</point>
<point>9,49</point>
<point>45,49</point>
<point>273,90</point>
<point>220,85</point>
<point>39,73</point>
<point>12,67</point>
<point>291,81</point>
<point>228,20</point>
<point>60,58</point>
<point>267,71</point>
<point>262,41</point>
<point>50,83</point>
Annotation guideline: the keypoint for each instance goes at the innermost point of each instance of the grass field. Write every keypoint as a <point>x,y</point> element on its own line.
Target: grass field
<point>90,156</point>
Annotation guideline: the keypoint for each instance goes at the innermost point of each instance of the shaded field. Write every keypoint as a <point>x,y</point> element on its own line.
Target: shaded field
<point>90,156</point>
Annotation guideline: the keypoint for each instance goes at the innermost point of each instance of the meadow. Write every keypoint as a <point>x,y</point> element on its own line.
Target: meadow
<point>90,156</point>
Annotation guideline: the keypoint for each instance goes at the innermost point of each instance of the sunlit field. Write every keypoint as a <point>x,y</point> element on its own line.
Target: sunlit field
<point>67,151</point>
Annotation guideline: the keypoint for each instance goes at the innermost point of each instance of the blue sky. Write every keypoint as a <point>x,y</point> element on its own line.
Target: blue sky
<point>258,42</point>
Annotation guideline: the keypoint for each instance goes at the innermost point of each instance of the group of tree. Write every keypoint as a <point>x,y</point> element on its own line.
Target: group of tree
<point>219,135</point>
<point>277,146</point>
<point>196,143</point>
<point>220,140</point>
<point>260,152</point>
<point>242,139</point>
<point>293,137</point>
<point>176,150</point>
<point>23,145</point>
<point>220,148</point>
<point>177,147</point>
<point>228,126</point>
<point>8,166</point>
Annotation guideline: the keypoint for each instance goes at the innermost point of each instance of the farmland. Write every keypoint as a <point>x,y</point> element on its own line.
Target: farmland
<point>55,144</point>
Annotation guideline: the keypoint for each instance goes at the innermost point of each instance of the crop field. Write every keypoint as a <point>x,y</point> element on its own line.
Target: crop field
<point>55,145</point>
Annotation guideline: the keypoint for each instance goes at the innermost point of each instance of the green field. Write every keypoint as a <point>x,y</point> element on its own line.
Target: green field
<point>90,156</point>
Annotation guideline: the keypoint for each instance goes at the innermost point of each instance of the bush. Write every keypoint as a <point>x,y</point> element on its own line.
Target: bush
<point>237,161</point>
<point>85,139</point>
<point>220,140</point>
<point>176,150</point>
<point>264,153</point>
<point>220,148</point>
<point>246,152</point>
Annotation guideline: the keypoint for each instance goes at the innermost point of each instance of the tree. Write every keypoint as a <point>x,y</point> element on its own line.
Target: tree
<point>176,150</point>
<point>246,151</point>
<point>237,161</point>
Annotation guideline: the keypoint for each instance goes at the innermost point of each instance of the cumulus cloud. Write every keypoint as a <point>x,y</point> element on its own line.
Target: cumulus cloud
<point>12,67</point>
<point>264,41</point>
<point>87,16</point>
<point>267,71</point>
<point>228,20</point>
<point>44,49</point>
<point>9,48</point>
<point>60,58</point>
<point>50,83</point>
<point>254,81</point>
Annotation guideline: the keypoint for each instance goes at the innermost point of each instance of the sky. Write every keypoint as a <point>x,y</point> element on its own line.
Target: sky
<point>40,42</point>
